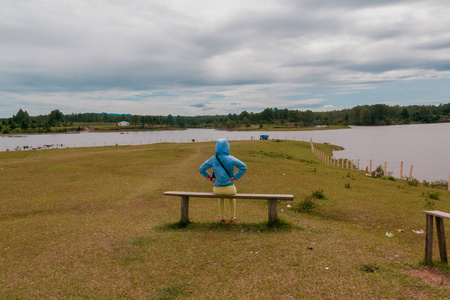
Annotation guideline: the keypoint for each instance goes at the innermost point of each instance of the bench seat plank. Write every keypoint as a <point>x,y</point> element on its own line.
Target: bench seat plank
<point>235,196</point>
<point>436,213</point>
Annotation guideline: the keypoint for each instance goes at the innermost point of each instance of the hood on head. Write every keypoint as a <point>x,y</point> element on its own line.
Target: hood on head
<point>222,147</point>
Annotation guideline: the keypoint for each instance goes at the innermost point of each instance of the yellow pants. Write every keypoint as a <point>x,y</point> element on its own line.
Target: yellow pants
<point>226,190</point>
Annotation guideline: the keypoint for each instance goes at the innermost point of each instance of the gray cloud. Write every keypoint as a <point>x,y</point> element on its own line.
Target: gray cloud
<point>199,50</point>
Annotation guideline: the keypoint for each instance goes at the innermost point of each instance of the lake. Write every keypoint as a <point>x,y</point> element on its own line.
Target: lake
<point>425,146</point>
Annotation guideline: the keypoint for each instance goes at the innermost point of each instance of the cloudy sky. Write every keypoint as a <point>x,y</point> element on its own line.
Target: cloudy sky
<point>200,57</point>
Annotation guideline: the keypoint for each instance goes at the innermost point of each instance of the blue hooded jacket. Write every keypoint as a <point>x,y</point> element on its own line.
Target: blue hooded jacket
<point>228,161</point>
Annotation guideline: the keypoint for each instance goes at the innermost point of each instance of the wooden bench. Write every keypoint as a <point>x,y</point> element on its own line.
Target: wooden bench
<point>271,198</point>
<point>440,216</point>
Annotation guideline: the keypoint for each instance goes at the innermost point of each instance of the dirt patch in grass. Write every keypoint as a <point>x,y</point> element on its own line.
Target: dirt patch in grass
<point>432,276</point>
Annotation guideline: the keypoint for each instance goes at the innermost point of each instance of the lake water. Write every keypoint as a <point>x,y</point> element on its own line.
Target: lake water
<point>425,146</point>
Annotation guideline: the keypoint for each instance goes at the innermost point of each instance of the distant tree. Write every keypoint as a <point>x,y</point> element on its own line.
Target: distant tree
<point>169,120</point>
<point>143,120</point>
<point>21,116</point>
<point>244,115</point>
<point>366,116</point>
<point>134,119</point>
<point>24,125</point>
<point>346,119</point>
<point>55,117</point>
<point>308,118</point>
<point>181,122</point>
<point>267,115</point>
<point>355,116</point>
<point>446,109</point>
<point>404,115</point>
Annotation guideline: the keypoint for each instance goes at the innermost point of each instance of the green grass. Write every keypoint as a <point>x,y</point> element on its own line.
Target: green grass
<point>93,223</point>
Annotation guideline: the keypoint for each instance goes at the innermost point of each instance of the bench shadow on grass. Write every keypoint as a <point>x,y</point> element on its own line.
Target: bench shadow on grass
<point>278,225</point>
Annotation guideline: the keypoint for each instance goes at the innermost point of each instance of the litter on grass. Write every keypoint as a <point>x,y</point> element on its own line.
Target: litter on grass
<point>418,231</point>
<point>389,234</point>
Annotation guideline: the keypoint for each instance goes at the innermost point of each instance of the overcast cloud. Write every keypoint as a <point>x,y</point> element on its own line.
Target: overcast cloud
<point>217,57</point>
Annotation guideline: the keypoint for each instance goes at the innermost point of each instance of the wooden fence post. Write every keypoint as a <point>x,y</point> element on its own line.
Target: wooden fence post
<point>385,168</point>
<point>370,167</point>
<point>410,172</point>
<point>358,163</point>
<point>401,169</point>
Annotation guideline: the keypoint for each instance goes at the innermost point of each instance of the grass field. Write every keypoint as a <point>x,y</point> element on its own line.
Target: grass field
<point>93,223</point>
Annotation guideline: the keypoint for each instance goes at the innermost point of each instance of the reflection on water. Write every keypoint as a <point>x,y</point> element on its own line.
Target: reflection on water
<point>426,146</point>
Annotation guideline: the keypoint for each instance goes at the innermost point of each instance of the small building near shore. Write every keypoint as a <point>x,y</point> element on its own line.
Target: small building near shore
<point>123,123</point>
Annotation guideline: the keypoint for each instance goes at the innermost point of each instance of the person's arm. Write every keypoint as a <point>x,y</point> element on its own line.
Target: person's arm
<point>205,166</point>
<point>241,167</point>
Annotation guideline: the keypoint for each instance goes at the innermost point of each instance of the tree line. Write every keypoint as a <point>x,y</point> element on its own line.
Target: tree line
<point>363,115</point>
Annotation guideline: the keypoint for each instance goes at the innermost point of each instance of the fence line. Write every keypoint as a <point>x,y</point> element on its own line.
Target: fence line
<point>349,164</point>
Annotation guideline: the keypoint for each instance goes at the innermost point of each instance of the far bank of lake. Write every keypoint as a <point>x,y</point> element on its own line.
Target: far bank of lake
<point>426,146</point>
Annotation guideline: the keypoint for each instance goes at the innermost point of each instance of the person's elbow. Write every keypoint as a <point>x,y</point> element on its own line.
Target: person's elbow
<point>203,171</point>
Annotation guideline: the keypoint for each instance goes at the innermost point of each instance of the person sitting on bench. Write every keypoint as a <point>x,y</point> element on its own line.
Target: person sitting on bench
<point>223,175</point>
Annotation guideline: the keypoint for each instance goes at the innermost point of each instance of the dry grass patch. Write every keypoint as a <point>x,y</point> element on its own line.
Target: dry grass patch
<point>93,223</point>
<point>432,276</point>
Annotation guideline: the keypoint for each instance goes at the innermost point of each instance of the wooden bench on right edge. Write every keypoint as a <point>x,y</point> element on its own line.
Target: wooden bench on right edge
<point>271,198</point>
<point>440,216</point>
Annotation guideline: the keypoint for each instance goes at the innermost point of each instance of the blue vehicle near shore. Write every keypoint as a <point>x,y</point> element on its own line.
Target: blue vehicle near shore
<point>263,137</point>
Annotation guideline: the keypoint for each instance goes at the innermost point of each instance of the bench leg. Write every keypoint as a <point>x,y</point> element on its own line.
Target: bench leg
<point>441,239</point>
<point>184,209</point>
<point>429,240</point>
<point>272,210</point>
